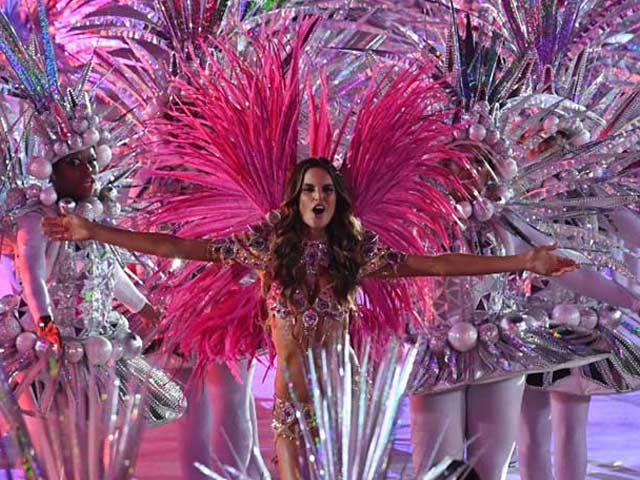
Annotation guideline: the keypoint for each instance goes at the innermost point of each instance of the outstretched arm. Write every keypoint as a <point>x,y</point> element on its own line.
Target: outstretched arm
<point>539,260</point>
<point>76,228</point>
<point>32,269</point>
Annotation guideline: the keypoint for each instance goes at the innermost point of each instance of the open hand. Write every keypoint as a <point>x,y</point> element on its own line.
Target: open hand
<point>541,260</point>
<point>67,227</point>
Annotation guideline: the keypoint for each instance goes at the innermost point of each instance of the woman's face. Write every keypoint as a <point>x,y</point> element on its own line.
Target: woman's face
<point>317,202</point>
<point>72,175</point>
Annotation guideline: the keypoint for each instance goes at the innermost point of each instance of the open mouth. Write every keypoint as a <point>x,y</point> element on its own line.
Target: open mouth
<point>318,210</point>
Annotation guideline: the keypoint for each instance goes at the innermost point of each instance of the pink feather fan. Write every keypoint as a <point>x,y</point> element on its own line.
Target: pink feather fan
<point>231,139</point>
<point>400,187</point>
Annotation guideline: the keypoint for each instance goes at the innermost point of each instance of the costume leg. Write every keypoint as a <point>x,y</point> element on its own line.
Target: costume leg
<point>257,467</point>
<point>492,422</point>
<point>195,431</point>
<point>437,427</point>
<point>232,406</point>
<point>569,414</point>
<point>534,436</point>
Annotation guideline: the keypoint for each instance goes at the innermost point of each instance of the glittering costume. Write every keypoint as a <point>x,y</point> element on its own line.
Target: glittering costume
<point>555,156</point>
<point>222,317</point>
<point>97,377</point>
<point>240,117</point>
<point>314,318</point>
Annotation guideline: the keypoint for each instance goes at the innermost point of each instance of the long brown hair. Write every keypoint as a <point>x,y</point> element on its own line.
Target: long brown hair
<point>343,233</point>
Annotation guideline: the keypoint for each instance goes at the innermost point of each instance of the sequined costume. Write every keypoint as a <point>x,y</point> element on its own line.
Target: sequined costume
<point>91,386</point>
<point>314,318</point>
<point>76,284</point>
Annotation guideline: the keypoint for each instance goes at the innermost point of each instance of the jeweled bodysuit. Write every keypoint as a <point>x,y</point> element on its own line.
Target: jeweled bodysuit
<point>315,317</point>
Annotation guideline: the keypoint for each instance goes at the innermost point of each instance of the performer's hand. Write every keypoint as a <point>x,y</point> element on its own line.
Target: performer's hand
<point>48,330</point>
<point>149,316</point>
<point>541,260</point>
<point>67,227</point>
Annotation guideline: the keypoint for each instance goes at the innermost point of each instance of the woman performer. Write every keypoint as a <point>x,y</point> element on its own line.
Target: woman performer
<point>311,261</point>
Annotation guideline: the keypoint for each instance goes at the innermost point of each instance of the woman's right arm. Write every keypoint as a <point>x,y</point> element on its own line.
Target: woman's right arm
<point>75,228</point>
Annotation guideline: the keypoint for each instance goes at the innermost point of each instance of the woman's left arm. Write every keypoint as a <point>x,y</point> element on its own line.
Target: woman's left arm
<point>539,260</point>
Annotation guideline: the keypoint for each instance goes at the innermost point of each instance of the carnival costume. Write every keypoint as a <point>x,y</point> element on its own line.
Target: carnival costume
<point>73,284</point>
<point>240,120</point>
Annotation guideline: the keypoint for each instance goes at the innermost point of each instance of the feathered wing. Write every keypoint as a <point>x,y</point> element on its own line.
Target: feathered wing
<point>230,140</point>
<point>401,190</point>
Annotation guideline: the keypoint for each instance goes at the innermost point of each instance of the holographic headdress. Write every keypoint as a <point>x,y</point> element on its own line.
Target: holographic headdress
<point>63,119</point>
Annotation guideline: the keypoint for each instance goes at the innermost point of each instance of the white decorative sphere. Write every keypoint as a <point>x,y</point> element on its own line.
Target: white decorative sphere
<point>509,168</point>
<point>85,209</point>
<point>90,137</point>
<point>96,206</point>
<point>588,318</point>
<point>73,351</point>
<point>103,155</point>
<point>463,336</point>
<point>477,132</point>
<point>98,350</point>
<point>60,149</point>
<point>483,209</point>
<point>80,125</point>
<point>566,315</point>
<point>464,208</point>
<point>25,342</point>
<point>75,142</point>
